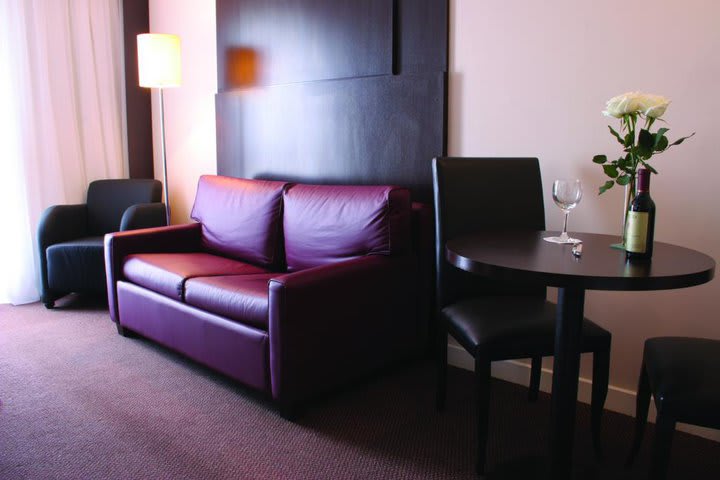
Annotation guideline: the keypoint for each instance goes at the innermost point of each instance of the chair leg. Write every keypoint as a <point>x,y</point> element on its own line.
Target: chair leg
<point>441,391</point>
<point>535,371</point>
<point>642,405</point>
<point>601,377</point>
<point>664,429</point>
<point>482,381</point>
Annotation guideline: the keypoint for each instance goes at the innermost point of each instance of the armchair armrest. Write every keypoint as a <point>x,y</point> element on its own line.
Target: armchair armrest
<point>143,215</point>
<point>331,323</point>
<point>58,223</point>
<point>118,245</point>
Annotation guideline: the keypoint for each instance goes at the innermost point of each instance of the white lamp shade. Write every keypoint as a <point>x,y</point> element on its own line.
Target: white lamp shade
<point>158,60</point>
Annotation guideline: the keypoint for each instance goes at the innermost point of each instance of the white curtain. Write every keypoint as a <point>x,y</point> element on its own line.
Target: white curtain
<point>61,119</point>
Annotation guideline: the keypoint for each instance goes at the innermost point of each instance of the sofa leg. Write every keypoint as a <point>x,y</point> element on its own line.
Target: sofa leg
<point>289,411</point>
<point>49,304</point>
<point>122,330</point>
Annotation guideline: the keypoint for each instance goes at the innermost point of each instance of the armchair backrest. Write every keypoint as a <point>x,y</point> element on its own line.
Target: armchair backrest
<point>240,218</point>
<point>107,200</point>
<point>476,194</point>
<point>330,223</point>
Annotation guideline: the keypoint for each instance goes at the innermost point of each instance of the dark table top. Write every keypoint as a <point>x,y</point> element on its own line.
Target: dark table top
<point>525,256</point>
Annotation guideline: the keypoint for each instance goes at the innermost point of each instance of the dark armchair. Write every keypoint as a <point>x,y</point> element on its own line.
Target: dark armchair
<point>70,237</point>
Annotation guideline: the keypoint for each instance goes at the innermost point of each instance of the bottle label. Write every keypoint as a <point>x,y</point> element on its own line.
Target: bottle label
<point>637,230</point>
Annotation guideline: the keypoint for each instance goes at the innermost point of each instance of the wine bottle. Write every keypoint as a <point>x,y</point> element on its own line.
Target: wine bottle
<point>641,220</point>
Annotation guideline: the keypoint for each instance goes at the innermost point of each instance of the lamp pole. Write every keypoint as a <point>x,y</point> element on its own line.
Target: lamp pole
<point>166,187</point>
<point>159,68</point>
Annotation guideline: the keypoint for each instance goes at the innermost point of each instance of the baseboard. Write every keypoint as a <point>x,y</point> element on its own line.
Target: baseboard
<point>618,400</point>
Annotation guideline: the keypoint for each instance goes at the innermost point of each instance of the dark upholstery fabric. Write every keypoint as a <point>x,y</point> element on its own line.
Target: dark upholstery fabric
<point>476,194</point>
<point>166,273</point>
<point>240,297</point>
<point>520,327</point>
<point>684,378</point>
<point>77,265</point>
<point>112,205</point>
<point>107,201</point>
<point>330,223</point>
<point>240,218</point>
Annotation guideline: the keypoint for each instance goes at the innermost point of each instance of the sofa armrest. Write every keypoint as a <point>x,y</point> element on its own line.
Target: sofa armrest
<point>143,215</point>
<point>333,323</point>
<point>118,245</point>
<point>58,223</point>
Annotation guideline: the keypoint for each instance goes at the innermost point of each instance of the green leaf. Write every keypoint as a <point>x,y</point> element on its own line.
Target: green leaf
<point>646,139</point>
<point>661,144</point>
<point>661,131</point>
<point>628,139</point>
<point>681,140</point>
<point>623,180</point>
<point>610,170</point>
<point>623,162</point>
<point>616,135</point>
<point>605,187</point>
<point>600,159</point>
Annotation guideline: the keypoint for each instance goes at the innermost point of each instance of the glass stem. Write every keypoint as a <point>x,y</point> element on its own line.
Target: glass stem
<point>564,234</point>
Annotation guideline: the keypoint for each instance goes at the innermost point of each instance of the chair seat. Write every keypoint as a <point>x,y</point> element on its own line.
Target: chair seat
<point>513,327</point>
<point>684,378</point>
<point>166,273</point>
<point>77,265</point>
<point>240,297</point>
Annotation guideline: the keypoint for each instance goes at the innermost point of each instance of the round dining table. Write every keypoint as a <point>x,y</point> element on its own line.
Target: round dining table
<point>523,256</point>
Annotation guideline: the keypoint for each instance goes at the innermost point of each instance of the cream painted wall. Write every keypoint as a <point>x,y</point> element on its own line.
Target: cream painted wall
<point>531,78</point>
<point>190,108</point>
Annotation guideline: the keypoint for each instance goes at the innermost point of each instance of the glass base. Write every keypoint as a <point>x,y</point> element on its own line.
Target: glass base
<point>562,240</point>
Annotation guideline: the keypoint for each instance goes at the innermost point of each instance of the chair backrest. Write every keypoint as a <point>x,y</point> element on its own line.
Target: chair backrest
<point>329,223</point>
<point>107,200</point>
<point>476,194</point>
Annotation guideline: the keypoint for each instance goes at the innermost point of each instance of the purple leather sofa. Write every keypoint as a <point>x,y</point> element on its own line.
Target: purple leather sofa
<point>291,289</point>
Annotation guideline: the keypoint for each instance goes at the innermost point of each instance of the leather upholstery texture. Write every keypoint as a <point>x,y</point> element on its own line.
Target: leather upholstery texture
<point>218,290</point>
<point>684,378</point>
<point>167,273</point>
<point>76,265</point>
<point>329,223</point>
<point>240,218</point>
<point>241,297</point>
<point>70,245</point>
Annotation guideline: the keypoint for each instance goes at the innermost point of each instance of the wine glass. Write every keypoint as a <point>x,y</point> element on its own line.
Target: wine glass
<point>566,194</point>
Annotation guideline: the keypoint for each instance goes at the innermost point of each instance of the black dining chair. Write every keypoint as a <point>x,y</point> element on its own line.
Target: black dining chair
<point>494,320</point>
<point>681,374</point>
<point>70,237</point>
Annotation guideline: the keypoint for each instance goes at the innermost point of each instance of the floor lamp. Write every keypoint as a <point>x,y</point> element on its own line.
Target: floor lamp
<point>159,67</point>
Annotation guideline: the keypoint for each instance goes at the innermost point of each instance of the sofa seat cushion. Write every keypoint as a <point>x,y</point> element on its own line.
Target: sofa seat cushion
<point>166,273</point>
<point>239,297</point>
<point>77,265</point>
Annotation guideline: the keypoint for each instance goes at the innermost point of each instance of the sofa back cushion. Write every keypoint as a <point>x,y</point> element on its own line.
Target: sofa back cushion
<point>329,223</point>
<point>240,218</point>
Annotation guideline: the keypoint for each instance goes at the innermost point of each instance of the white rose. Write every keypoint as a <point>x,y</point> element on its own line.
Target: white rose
<point>624,104</point>
<point>653,106</point>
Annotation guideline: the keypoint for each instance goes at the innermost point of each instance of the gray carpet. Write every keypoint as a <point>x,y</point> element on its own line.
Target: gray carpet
<point>81,402</point>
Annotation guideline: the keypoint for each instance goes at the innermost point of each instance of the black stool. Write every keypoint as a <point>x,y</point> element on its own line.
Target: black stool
<point>682,374</point>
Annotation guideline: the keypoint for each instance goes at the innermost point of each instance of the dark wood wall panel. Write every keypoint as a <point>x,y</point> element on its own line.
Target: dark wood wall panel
<point>332,91</point>
<point>267,42</point>
<point>369,130</point>
<point>137,99</point>
<point>422,32</point>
